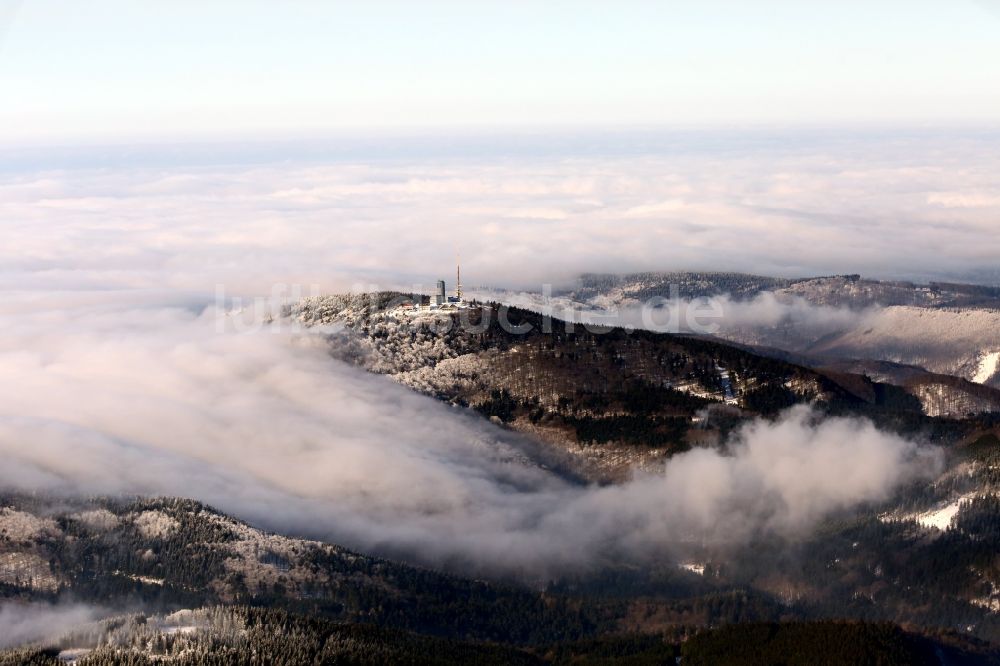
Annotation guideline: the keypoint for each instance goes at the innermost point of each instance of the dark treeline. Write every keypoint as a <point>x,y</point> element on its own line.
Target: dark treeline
<point>242,635</point>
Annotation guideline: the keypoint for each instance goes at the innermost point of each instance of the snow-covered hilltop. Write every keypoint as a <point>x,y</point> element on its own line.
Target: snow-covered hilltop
<point>612,398</point>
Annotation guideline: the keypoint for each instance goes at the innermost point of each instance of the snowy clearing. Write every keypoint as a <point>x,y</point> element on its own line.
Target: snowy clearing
<point>941,518</point>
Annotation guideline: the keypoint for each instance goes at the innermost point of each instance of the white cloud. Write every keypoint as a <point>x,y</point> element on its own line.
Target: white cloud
<point>655,209</point>
<point>972,199</point>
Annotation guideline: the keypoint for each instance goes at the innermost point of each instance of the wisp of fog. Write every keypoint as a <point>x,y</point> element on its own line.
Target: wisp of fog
<point>28,622</point>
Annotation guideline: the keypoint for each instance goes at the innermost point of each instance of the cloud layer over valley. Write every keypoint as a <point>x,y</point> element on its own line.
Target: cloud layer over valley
<point>269,427</point>
<point>114,378</point>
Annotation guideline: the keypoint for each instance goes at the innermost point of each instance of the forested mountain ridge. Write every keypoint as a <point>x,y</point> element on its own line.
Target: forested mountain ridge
<point>894,562</point>
<point>672,283</point>
<point>944,328</point>
<point>614,397</point>
<point>834,290</point>
<point>168,553</point>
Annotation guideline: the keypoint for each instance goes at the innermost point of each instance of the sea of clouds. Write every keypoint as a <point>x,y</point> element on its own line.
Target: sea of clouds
<point>115,377</point>
<point>892,205</point>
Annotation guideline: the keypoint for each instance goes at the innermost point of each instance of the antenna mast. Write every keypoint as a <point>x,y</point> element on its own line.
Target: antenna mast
<point>458,276</point>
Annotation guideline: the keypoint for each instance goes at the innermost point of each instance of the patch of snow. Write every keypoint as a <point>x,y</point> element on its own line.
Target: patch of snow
<point>988,603</point>
<point>988,366</point>
<point>940,518</point>
<point>148,580</point>
<point>693,567</point>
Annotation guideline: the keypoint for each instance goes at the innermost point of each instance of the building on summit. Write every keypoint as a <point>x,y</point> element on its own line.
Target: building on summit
<point>441,301</point>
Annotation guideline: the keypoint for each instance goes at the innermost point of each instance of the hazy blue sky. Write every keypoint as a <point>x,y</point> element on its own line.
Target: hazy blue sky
<point>120,68</point>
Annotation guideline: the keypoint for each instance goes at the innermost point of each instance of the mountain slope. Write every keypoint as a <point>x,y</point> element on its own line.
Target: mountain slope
<point>945,341</point>
<point>169,553</point>
<point>836,290</point>
<point>612,397</point>
<point>945,328</point>
<point>895,561</point>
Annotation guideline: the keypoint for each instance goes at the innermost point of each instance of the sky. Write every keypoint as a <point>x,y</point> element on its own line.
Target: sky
<point>111,70</point>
